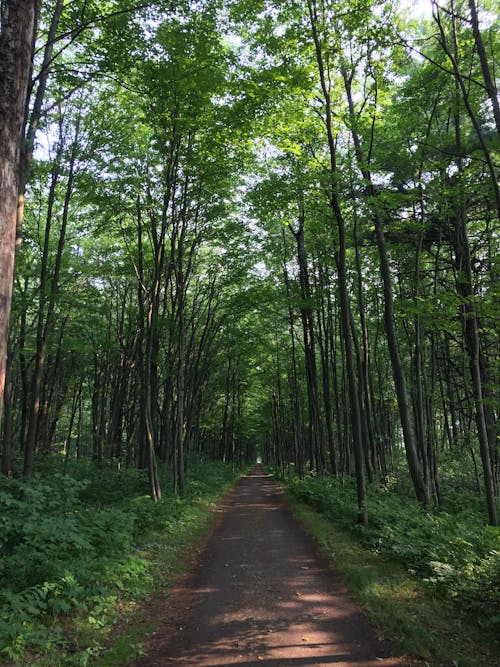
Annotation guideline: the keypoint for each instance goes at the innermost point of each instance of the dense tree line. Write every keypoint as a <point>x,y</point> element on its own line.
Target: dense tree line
<point>254,227</point>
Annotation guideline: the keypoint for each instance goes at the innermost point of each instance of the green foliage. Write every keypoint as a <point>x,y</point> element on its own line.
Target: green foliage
<point>453,554</point>
<point>67,549</point>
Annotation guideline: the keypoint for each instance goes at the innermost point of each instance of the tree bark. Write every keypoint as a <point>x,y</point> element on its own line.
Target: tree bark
<point>398,371</point>
<point>323,337</point>
<point>485,67</point>
<point>16,38</point>
<point>47,302</point>
<point>465,286</point>
<point>297,441</point>
<point>33,121</point>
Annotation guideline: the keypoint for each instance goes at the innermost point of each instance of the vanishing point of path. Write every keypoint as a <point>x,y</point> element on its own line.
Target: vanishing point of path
<point>261,595</point>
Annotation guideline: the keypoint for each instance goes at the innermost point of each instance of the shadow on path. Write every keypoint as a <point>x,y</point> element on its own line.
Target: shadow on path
<point>261,595</point>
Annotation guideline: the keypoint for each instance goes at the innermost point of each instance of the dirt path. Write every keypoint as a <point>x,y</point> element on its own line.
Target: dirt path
<point>261,595</point>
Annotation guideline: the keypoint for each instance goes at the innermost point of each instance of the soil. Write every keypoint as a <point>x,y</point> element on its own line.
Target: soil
<point>260,593</point>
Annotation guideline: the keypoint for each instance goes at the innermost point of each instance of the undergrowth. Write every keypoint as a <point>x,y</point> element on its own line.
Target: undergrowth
<point>72,554</point>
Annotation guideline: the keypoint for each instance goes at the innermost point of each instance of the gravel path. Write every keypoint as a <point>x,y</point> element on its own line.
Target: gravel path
<point>261,595</point>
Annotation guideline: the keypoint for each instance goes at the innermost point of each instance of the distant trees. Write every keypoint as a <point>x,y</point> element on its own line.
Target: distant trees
<point>126,243</point>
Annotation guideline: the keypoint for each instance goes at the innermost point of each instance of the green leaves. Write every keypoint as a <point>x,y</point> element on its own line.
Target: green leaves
<point>69,546</point>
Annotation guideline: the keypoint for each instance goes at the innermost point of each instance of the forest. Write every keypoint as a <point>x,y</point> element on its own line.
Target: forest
<point>241,230</point>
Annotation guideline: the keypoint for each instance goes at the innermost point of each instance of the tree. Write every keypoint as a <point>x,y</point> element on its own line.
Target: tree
<point>17,25</point>
<point>162,311</point>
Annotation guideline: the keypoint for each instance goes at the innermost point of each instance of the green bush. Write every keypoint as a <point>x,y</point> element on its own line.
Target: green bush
<point>69,543</point>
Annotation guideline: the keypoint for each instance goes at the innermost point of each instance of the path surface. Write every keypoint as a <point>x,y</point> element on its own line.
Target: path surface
<point>261,595</point>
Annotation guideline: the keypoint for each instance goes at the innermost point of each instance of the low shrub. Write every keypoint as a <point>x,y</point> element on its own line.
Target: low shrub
<point>65,547</point>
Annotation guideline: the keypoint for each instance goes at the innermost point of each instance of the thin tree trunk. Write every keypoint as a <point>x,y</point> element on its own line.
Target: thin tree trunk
<point>28,145</point>
<point>485,68</point>
<point>306,313</point>
<point>365,362</point>
<point>410,441</point>
<point>323,336</point>
<point>466,289</point>
<point>74,408</point>
<point>47,303</point>
<point>340,257</point>
<point>298,450</point>
<point>180,426</point>
<point>8,418</point>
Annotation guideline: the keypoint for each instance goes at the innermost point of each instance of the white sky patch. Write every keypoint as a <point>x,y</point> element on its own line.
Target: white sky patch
<point>418,8</point>
<point>382,179</point>
<point>260,271</point>
<point>233,40</point>
<point>256,229</point>
<point>45,141</point>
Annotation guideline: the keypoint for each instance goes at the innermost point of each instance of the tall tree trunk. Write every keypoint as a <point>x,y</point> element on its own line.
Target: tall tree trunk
<point>293,381</point>
<point>74,408</point>
<point>35,115</point>
<point>224,436</point>
<point>323,337</point>
<point>8,418</point>
<point>17,24</point>
<point>465,287</point>
<point>365,361</point>
<point>409,436</point>
<point>340,257</point>
<point>146,454</point>
<point>306,313</point>
<point>181,395</point>
<point>47,302</point>
<point>485,67</point>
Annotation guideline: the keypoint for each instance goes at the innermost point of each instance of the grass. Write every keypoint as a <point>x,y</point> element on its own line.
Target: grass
<point>430,629</point>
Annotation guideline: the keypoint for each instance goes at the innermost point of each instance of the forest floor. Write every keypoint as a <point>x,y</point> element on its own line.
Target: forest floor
<point>260,593</point>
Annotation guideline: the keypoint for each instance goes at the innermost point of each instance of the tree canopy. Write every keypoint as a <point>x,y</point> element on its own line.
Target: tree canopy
<point>258,229</point>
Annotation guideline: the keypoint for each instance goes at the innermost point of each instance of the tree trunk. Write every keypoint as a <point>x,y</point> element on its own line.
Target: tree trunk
<point>366,398</point>
<point>485,68</point>
<point>341,261</point>
<point>410,441</point>
<point>8,419</point>
<point>306,313</point>
<point>465,287</point>
<point>16,39</point>
<point>28,145</point>
<point>47,302</point>
<point>323,337</point>
<point>293,382</point>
